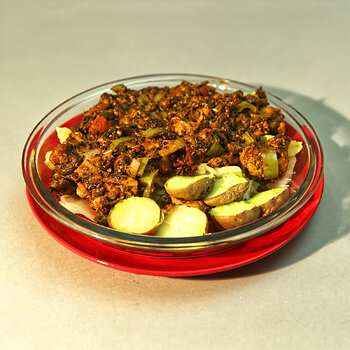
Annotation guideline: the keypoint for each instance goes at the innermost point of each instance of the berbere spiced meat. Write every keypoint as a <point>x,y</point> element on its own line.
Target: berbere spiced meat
<point>130,136</point>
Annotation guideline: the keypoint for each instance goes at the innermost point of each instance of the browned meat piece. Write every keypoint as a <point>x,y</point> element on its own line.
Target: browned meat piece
<point>218,162</point>
<point>274,119</point>
<point>99,125</point>
<point>57,153</point>
<point>81,191</point>
<point>61,185</point>
<point>181,127</point>
<point>251,159</point>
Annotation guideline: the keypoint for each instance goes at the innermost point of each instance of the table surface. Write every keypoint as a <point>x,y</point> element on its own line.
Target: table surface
<point>297,298</point>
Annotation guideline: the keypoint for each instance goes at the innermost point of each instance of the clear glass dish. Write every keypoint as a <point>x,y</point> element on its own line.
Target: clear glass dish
<point>308,173</point>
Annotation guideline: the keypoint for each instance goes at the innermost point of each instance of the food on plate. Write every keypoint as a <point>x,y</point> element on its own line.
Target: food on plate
<point>183,221</point>
<point>173,150</point>
<point>190,187</point>
<point>136,215</point>
<point>227,188</point>
<point>270,200</point>
<point>235,214</point>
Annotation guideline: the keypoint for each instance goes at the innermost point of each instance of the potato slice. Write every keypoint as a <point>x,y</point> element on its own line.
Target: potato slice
<point>228,188</point>
<point>190,187</point>
<point>235,214</point>
<point>136,215</point>
<point>270,200</point>
<point>183,221</point>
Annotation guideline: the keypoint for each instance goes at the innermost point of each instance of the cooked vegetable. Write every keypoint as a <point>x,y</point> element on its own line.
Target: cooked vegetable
<point>235,214</point>
<point>287,178</point>
<point>270,200</point>
<point>190,187</point>
<point>116,142</point>
<point>269,157</point>
<point>246,105</point>
<point>172,146</point>
<point>136,215</point>
<point>203,169</point>
<point>260,161</point>
<point>194,204</point>
<point>148,179</point>
<point>63,133</point>
<point>183,221</point>
<point>247,138</point>
<point>215,149</point>
<point>77,206</point>
<point>227,170</point>
<point>294,148</point>
<point>47,161</point>
<point>252,190</point>
<point>228,188</point>
<point>137,167</point>
<point>149,133</point>
<point>118,88</point>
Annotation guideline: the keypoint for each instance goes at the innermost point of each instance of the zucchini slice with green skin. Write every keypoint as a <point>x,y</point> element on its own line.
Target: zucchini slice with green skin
<point>269,157</point>
<point>228,188</point>
<point>235,214</point>
<point>183,221</point>
<point>148,180</point>
<point>270,200</point>
<point>138,215</point>
<point>294,148</point>
<point>190,187</point>
<point>149,133</point>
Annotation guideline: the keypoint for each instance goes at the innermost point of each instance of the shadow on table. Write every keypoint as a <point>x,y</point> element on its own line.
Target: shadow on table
<point>332,220</point>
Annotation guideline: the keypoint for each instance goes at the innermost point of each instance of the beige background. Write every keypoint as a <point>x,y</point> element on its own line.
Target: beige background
<point>298,298</point>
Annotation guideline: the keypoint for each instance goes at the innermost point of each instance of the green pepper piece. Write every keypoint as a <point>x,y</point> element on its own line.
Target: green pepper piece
<point>143,163</point>
<point>148,179</point>
<point>118,87</point>
<point>149,133</point>
<point>158,96</point>
<point>116,142</point>
<point>215,150</point>
<point>244,105</point>
<point>248,139</point>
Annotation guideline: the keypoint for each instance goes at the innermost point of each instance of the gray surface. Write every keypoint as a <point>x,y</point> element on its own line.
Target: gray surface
<point>298,298</point>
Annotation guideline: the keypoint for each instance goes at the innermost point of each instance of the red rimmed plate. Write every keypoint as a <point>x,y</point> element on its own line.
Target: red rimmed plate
<point>236,256</point>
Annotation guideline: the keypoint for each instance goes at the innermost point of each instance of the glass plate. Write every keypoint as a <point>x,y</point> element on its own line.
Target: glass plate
<point>236,256</point>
